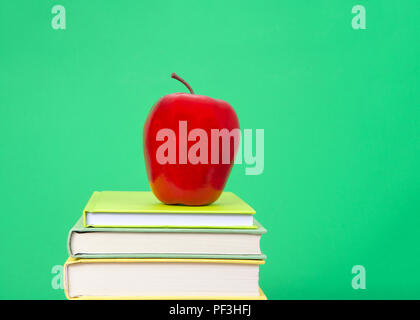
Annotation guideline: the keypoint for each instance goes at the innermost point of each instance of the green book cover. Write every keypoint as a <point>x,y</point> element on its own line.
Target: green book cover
<point>80,228</point>
<point>121,204</point>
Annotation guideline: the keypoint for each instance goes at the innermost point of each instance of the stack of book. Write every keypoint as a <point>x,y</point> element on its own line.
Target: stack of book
<point>128,245</point>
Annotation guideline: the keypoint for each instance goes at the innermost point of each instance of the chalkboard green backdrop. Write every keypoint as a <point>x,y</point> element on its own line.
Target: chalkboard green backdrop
<point>339,108</point>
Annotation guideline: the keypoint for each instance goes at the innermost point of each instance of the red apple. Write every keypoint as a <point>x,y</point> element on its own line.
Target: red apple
<point>189,144</point>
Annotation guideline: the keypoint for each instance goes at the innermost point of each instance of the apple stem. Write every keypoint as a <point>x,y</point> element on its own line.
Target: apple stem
<point>175,76</point>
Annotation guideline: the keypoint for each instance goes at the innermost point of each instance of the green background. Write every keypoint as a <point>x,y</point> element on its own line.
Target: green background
<point>340,110</point>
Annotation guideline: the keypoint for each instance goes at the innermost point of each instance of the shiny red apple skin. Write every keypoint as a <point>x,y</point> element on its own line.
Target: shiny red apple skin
<point>188,184</point>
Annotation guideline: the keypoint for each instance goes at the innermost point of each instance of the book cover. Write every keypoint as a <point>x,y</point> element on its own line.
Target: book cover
<point>79,228</point>
<point>71,261</point>
<point>137,202</point>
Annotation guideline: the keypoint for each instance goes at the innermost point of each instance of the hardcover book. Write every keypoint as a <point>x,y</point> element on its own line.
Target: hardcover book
<point>217,243</point>
<point>142,209</point>
<point>162,279</point>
